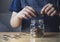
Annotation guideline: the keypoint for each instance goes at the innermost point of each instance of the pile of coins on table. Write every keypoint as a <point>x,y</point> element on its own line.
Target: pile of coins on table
<point>8,37</point>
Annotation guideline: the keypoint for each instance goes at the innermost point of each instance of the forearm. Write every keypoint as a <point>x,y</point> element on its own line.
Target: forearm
<point>15,21</point>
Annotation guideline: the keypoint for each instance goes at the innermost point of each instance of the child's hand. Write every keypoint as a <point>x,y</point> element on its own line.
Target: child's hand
<point>27,12</point>
<point>50,10</point>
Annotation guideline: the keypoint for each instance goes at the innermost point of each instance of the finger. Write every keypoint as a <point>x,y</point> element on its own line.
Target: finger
<point>43,9</point>
<point>27,14</point>
<point>31,11</point>
<point>48,8</point>
<point>52,14</point>
<point>50,11</point>
<point>24,16</point>
<point>30,8</point>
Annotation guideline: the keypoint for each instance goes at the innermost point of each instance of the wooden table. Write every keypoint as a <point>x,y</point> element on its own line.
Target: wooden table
<point>25,37</point>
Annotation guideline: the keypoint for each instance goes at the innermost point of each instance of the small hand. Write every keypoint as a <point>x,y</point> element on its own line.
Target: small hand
<point>27,12</point>
<point>50,10</point>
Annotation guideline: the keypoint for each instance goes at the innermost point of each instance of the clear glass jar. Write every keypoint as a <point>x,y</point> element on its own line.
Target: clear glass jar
<point>37,28</point>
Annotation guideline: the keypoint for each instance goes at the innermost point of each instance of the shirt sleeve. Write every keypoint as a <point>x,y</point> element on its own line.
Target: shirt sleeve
<point>15,6</point>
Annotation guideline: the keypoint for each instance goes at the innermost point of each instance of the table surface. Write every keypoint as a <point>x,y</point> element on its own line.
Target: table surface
<point>25,37</point>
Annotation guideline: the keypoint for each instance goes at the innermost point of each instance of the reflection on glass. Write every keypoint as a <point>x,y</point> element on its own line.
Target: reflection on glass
<point>36,28</point>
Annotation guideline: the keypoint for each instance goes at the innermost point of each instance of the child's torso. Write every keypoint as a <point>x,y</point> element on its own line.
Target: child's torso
<point>38,5</point>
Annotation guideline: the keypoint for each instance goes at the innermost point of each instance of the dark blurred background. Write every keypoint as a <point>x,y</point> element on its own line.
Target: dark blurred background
<point>5,16</point>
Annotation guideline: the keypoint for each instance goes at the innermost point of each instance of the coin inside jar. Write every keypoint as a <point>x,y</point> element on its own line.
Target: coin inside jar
<point>38,32</point>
